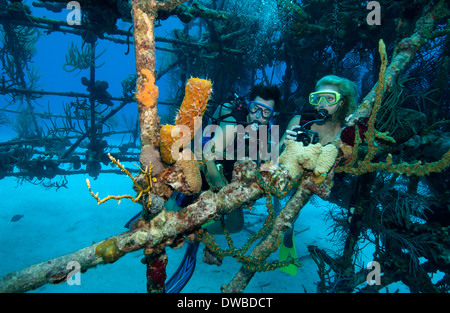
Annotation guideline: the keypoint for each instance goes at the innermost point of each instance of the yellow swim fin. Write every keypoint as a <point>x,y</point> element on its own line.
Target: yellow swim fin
<point>287,249</point>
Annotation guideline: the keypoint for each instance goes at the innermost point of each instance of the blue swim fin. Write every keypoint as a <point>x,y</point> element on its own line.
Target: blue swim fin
<point>184,272</point>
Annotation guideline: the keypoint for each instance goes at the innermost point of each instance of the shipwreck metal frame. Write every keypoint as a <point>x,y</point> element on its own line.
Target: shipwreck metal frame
<point>167,228</point>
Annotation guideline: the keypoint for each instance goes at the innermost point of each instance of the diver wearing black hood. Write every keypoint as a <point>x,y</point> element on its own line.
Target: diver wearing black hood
<point>264,102</point>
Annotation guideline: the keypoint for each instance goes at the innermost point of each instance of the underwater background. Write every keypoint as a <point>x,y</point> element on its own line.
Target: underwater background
<point>48,147</point>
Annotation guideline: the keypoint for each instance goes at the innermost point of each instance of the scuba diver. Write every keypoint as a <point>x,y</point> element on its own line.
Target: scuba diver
<point>264,103</point>
<point>259,111</point>
<point>334,100</point>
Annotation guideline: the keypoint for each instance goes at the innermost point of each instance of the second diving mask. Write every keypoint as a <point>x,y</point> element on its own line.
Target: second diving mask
<point>326,97</point>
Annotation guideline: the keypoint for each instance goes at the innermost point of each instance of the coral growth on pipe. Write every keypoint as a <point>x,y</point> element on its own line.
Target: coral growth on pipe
<point>404,53</point>
<point>149,94</point>
<point>271,242</point>
<point>142,191</point>
<point>184,176</point>
<point>315,157</point>
<point>359,167</point>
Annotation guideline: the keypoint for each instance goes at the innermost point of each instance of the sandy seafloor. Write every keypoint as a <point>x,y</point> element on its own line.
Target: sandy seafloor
<point>57,222</point>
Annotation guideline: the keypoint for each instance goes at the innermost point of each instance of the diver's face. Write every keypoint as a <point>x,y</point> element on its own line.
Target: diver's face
<point>258,115</point>
<point>331,109</point>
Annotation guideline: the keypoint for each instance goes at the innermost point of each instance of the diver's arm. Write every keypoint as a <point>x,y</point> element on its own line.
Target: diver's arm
<point>212,172</point>
<point>222,138</point>
<point>290,134</point>
<point>214,176</point>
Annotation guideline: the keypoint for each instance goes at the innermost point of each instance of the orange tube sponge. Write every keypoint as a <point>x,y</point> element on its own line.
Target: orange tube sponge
<point>196,97</point>
<point>149,94</point>
<point>172,139</point>
<point>168,138</point>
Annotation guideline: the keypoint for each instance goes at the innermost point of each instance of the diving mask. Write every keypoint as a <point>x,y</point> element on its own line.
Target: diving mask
<point>324,97</point>
<point>255,106</point>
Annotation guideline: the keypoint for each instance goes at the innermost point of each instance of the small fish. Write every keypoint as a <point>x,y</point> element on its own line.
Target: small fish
<point>16,217</point>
